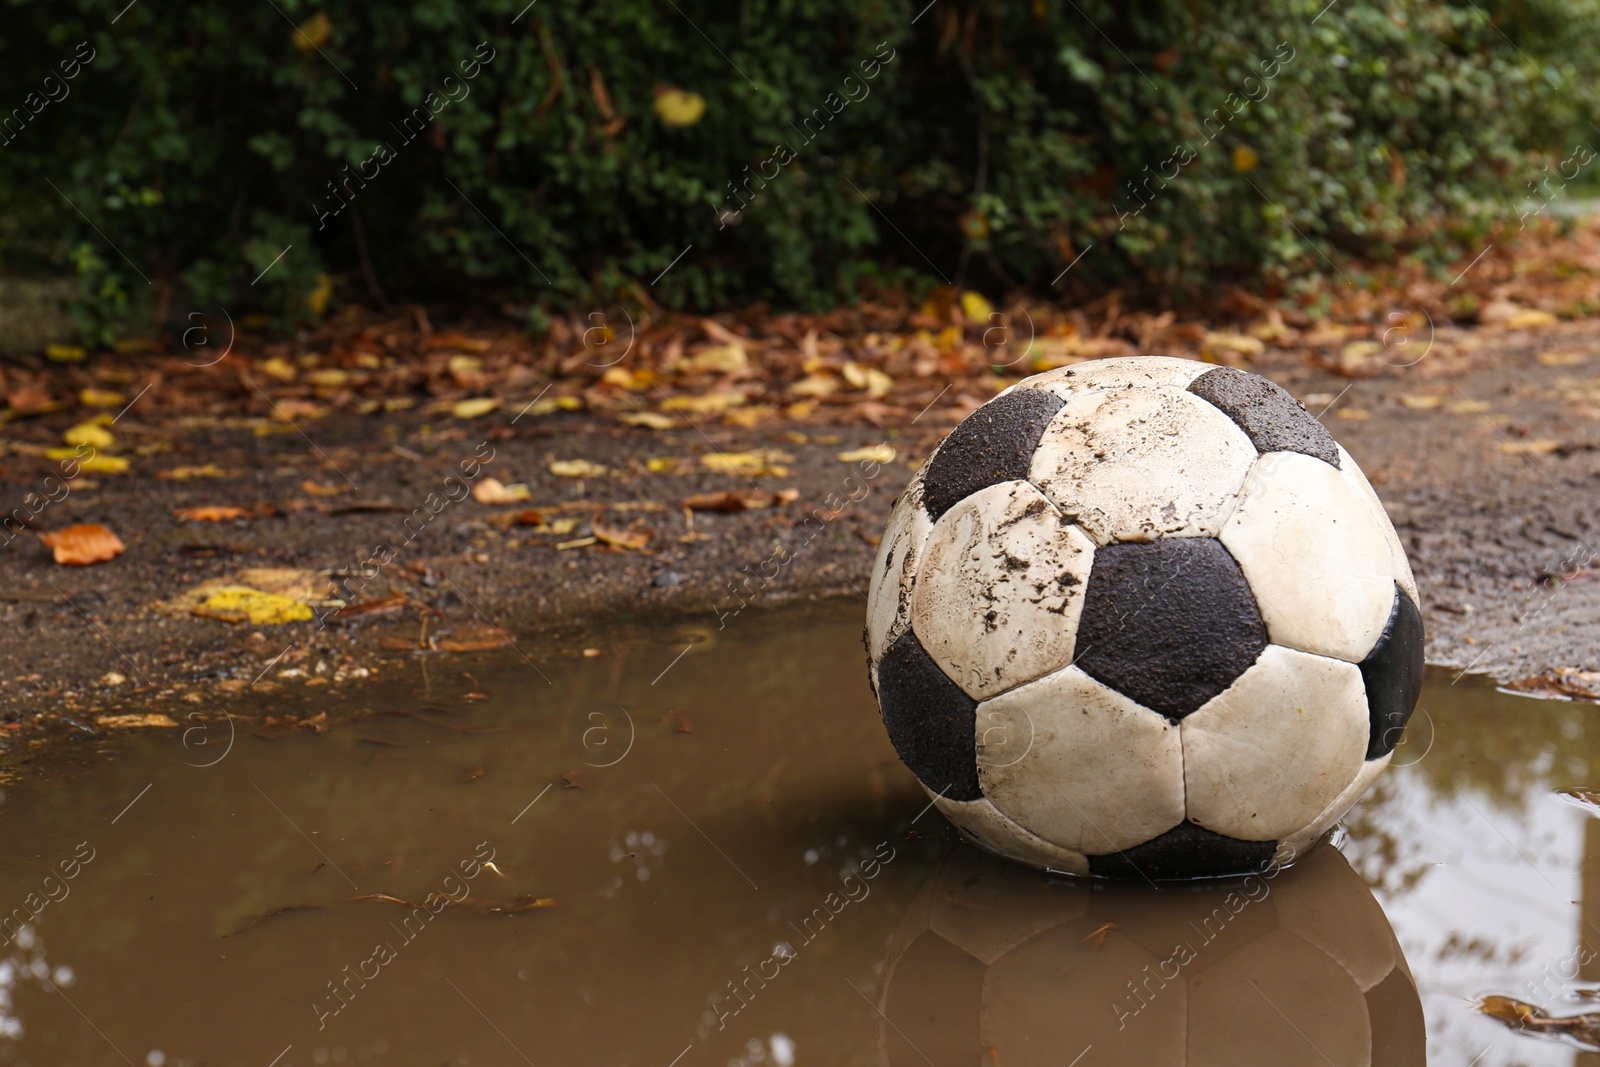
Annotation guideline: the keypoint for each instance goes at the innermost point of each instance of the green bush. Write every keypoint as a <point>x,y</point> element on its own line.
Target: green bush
<point>799,150</point>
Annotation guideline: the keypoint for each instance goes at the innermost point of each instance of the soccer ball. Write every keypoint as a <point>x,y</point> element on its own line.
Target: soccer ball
<point>1143,617</point>
<point>992,964</point>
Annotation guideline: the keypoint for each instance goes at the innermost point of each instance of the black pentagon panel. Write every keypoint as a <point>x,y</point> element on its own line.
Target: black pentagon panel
<point>1272,418</point>
<point>994,444</point>
<point>1392,673</point>
<point>931,722</point>
<point>1186,851</point>
<point>1169,623</point>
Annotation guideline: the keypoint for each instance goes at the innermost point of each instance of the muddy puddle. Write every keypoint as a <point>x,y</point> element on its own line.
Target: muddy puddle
<point>684,852</point>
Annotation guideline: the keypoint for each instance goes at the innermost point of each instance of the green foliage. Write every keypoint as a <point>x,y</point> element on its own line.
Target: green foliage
<point>486,151</point>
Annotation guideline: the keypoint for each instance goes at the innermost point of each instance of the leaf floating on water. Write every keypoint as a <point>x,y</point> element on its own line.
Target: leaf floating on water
<point>133,722</point>
<point>84,543</point>
<point>1518,1015</point>
<point>1097,937</point>
<point>489,866</point>
<point>524,903</point>
<point>1587,799</point>
<point>477,640</point>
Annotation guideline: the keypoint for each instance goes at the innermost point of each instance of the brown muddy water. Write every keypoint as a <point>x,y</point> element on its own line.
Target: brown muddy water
<point>676,854</point>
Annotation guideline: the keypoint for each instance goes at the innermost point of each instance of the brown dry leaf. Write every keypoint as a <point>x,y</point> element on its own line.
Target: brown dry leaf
<point>1353,414</point>
<point>1097,937</point>
<point>730,501</point>
<point>211,513</point>
<point>320,488</point>
<point>130,722</point>
<point>720,359</point>
<point>633,537</point>
<point>83,544</point>
<point>370,609</point>
<point>524,903</point>
<point>479,639</point>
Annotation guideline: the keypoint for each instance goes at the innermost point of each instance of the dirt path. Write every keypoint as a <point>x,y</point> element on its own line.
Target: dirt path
<point>1486,457</point>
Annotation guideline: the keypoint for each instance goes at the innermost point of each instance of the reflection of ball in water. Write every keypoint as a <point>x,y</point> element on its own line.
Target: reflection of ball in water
<point>1143,615</point>
<point>1297,967</point>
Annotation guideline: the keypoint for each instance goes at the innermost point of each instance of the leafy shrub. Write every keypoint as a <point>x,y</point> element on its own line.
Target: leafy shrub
<point>790,151</point>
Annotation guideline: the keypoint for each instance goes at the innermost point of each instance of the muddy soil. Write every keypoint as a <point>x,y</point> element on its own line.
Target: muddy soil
<point>1487,462</point>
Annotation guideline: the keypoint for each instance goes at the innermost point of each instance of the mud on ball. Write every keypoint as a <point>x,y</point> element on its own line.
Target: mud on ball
<point>1143,616</point>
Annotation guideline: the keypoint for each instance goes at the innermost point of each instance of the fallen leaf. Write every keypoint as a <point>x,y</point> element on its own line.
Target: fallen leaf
<point>1245,159</point>
<point>368,609</point>
<point>98,463</point>
<point>30,400</point>
<point>581,542</point>
<point>101,398</point>
<point>706,403</point>
<point>281,369</point>
<point>760,461</point>
<point>1562,357</point>
<point>1530,318</point>
<point>730,501</point>
<point>184,474</point>
<point>648,419</point>
<point>818,384</point>
<point>211,513</point>
<point>129,722</point>
<point>975,307</point>
<point>635,538</point>
<point>492,491</point>
<point>719,359</point>
<point>240,603</point>
<point>874,381</point>
<point>1421,401</point>
<point>1230,347</point>
<point>1353,414</point>
<point>577,468</point>
<point>880,453</point>
<point>1536,447</point>
<point>472,409</point>
<point>64,353</point>
<point>83,544</point>
<point>474,640</point>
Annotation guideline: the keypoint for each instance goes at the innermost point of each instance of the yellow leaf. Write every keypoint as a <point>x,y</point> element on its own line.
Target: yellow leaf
<point>719,359</point>
<point>880,453</point>
<point>65,353</point>
<point>492,491</point>
<point>675,107</point>
<point>1541,447</point>
<point>328,377</point>
<point>577,468</point>
<point>317,299</point>
<point>313,32</point>
<point>1217,347</point>
<point>253,606</point>
<point>756,462</point>
<point>280,368</point>
<point>1563,357</point>
<point>183,474</point>
<point>873,380</point>
<point>101,398</point>
<point>464,365</point>
<point>648,419</point>
<point>634,381</point>
<point>1530,318</point>
<point>471,409</point>
<point>129,722</point>
<point>1421,401</point>
<point>1245,159</point>
<point>710,402</point>
<point>89,433</point>
<point>545,405</point>
<point>975,307</point>
<point>1352,414</point>
<point>815,385</point>
<point>95,464</point>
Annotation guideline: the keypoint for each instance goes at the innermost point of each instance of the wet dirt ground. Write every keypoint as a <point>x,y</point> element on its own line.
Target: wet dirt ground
<point>1485,456</point>
<point>693,849</point>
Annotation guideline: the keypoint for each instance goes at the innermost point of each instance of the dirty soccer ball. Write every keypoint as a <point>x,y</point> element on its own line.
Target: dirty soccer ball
<point>1143,616</point>
<point>993,965</point>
